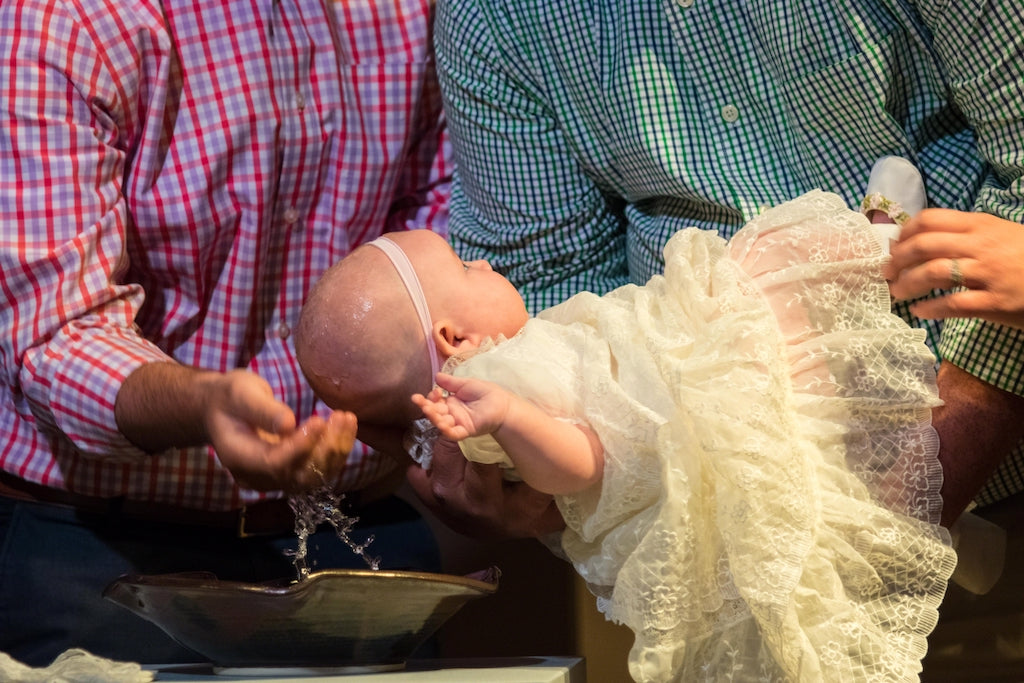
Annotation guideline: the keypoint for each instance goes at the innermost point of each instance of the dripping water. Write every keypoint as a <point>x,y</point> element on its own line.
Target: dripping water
<point>312,509</point>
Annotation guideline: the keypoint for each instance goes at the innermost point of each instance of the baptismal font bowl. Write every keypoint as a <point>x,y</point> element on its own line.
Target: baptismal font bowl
<point>334,619</point>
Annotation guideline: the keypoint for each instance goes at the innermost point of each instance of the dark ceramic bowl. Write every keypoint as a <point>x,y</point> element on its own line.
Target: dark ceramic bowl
<point>337,620</point>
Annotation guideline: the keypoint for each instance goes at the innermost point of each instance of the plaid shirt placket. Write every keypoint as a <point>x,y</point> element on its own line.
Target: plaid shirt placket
<point>211,200</point>
<point>570,144</point>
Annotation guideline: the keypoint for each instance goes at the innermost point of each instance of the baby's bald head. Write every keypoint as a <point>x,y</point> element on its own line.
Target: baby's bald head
<point>359,341</point>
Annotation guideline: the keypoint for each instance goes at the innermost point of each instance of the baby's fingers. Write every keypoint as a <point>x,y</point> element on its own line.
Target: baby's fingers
<point>427,404</point>
<point>449,383</point>
<point>449,429</point>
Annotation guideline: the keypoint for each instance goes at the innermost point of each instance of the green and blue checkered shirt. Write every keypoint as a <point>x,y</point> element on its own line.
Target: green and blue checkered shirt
<point>587,132</point>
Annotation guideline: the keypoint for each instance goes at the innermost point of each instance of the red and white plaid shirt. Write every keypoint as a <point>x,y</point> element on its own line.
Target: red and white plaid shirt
<point>174,176</point>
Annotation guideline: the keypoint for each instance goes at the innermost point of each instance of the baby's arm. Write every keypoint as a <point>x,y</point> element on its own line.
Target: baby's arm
<point>550,455</point>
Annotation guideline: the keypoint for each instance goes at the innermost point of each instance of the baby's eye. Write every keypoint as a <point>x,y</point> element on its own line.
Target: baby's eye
<point>465,266</point>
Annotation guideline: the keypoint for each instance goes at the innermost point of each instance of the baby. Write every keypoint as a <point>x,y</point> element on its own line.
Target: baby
<point>741,448</point>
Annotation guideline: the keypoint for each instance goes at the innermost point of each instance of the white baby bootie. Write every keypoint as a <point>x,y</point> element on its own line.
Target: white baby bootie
<point>896,190</point>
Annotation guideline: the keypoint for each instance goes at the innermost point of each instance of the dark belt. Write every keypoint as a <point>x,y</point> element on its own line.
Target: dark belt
<point>264,518</point>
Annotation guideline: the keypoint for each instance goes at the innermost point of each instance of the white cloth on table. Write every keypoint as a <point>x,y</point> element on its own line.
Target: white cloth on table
<point>73,666</point>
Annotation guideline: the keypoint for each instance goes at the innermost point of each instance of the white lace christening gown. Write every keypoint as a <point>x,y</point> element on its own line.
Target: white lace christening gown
<point>770,500</point>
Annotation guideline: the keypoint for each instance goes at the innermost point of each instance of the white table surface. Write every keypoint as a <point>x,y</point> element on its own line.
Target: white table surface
<point>498,670</point>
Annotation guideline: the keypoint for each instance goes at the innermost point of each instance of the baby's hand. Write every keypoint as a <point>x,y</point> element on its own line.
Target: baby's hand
<point>435,409</point>
<point>461,407</point>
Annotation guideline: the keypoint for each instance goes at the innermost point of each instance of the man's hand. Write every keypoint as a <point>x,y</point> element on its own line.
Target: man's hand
<point>256,438</point>
<point>165,405</point>
<point>474,500</point>
<point>943,248</point>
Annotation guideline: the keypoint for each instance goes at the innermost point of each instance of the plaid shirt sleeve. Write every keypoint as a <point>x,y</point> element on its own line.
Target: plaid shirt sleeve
<point>982,47</point>
<point>520,197</point>
<point>68,334</point>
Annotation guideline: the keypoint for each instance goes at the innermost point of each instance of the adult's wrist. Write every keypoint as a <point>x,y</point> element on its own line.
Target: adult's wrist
<point>970,455</point>
<point>162,405</point>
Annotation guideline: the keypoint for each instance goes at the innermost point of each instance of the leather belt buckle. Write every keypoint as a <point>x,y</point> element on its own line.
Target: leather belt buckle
<point>242,532</point>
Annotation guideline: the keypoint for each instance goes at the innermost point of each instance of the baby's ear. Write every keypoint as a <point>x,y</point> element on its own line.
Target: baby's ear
<point>450,339</point>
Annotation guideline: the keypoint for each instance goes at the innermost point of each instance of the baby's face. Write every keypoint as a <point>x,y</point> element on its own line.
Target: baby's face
<point>495,303</point>
<point>485,297</point>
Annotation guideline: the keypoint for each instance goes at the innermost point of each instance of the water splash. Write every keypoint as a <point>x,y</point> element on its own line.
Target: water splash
<point>312,509</point>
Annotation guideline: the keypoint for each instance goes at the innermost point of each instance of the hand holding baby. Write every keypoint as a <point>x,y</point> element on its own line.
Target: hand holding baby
<point>977,254</point>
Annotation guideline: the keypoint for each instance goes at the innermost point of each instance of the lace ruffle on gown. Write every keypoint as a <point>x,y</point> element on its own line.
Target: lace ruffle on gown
<point>770,500</point>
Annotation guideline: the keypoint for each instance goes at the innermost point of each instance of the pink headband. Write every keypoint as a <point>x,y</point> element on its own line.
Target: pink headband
<point>412,284</point>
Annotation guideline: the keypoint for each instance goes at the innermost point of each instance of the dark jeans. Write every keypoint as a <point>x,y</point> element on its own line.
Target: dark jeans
<point>55,563</point>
